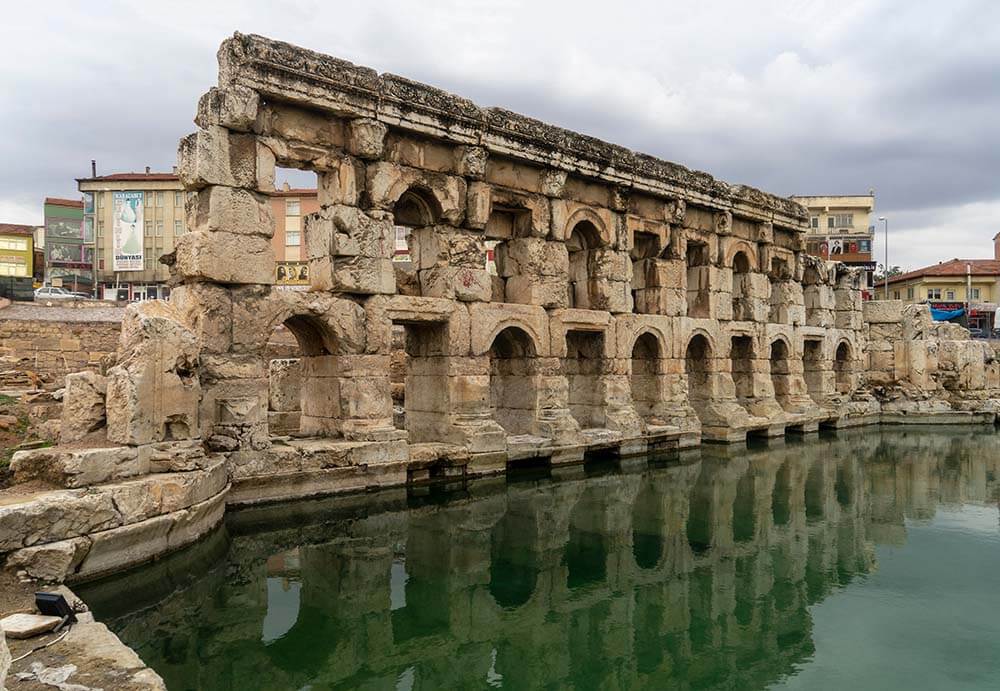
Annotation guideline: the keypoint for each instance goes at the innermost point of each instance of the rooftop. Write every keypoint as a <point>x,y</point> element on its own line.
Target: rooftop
<point>294,192</point>
<point>952,267</point>
<point>132,177</point>
<point>16,229</point>
<point>72,203</point>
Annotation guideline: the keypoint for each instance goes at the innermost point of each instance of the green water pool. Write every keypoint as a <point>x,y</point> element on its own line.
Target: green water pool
<point>861,560</point>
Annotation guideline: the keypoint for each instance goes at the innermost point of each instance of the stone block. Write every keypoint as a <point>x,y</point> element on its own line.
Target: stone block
<point>366,138</point>
<point>83,406</point>
<point>470,161</point>
<point>214,156</point>
<point>478,205</point>
<point>533,257</point>
<point>882,311</point>
<point>456,282</point>
<point>285,385</point>
<point>233,107</point>
<point>609,295</point>
<point>339,184</point>
<point>346,231</point>
<point>22,625</point>
<point>224,258</point>
<point>230,210</point>
<point>547,292</point>
<point>357,275</point>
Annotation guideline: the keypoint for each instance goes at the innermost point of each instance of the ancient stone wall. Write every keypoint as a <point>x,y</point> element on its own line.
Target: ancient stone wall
<point>52,349</point>
<point>922,370</point>
<point>563,296</point>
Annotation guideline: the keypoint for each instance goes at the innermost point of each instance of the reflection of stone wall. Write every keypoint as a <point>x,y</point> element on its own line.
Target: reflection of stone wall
<point>701,565</point>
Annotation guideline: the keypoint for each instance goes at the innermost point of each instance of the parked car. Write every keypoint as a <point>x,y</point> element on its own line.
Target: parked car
<point>51,293</point>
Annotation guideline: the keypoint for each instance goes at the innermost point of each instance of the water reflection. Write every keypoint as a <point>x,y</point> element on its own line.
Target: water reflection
<point>699,572</point>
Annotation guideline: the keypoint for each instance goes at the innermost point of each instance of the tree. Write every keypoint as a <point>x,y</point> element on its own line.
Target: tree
<point>879,276</point>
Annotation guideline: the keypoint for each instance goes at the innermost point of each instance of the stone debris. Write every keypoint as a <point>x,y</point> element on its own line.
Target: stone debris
<point>23,625</point>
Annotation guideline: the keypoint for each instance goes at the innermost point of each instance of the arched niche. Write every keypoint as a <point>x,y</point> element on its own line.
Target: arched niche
<point>513,380</point>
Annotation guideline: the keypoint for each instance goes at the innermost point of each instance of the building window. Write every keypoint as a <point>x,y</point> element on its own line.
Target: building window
<point>933,293</point>
<point>293,238</point>
<point>14,244</point>
<point>909,293</point>
<point>100,264</point>
<point>178,228</point>
<point>159,229</point>
<point>840,221</point>
<point>950,295</point>
<point>100,229</point>
<point>178,199</point>
<point>292,207</point>
<point>895,295</point>
<point>100,200</point>
<point>975,294</point>
<point>814,221</point>
<point>148,262</point>
<point>159,198</point>
<point>149,229</point>
<point>13,269</point>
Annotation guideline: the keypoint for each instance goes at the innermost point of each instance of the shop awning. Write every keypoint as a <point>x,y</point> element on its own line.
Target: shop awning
<point>946,315</point>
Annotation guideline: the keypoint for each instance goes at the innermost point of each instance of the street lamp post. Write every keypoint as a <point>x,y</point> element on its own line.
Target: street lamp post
<point>885,222</point>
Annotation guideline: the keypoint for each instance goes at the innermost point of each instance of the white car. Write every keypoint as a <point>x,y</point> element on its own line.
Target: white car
<point>50,293</point>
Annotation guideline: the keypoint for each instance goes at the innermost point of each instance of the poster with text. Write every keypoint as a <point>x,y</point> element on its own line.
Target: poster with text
<point>126,231</point>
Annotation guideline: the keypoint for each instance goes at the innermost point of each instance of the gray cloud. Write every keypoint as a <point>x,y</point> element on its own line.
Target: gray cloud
<point>794,96</point>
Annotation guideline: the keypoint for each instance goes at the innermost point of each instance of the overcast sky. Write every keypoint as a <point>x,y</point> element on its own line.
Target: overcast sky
<point>794,97</point>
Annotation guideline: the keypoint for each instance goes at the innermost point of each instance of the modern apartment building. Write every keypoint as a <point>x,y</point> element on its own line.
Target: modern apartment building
<point>69,246</point>
<point>136,218</point>
<point>841,228</point>
<point>289,206</point>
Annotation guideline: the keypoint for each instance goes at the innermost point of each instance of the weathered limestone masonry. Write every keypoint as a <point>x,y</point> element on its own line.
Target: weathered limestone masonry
<point>52,349</point>
<point>635,305</point>
<point>925,371</point>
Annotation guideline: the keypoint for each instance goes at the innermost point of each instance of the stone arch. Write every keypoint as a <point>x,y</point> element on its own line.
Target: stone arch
<point>584,237</point>
<point>415,212</point>
<point>698,258</point>
<point>747,250</point>
<point>322,322</point>
<point>415,206</point>
<point>646,377</point>
<point>537,341</point>
<point>843,368</point>
<point>513,380</point>
<point>780,365</point>
<point>330,335</point>
<point>743,350</point>
<point>698,368</point>
<point>814,368</point>
<point>742,265</point>
<point>598,232</point>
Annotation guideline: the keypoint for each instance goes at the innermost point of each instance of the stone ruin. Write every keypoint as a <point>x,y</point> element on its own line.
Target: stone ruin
<point>562,296</point>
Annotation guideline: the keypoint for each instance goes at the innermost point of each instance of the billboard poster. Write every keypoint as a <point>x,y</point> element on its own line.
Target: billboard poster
<point>291,274</point>
<point>64,228</point>
<point>126,231</point>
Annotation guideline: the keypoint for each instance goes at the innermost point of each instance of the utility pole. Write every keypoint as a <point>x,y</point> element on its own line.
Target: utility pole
<point>885,222</point>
